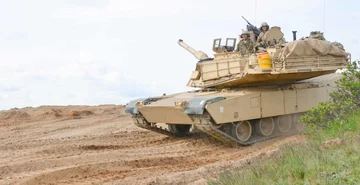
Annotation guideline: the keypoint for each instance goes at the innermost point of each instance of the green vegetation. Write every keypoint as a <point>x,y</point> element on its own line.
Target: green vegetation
<point>322,159</point>
<point>314,162</point>
<point>345,100</point>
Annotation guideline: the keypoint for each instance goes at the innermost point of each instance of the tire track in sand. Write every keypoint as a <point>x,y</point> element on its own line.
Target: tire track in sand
<point>110,149</point>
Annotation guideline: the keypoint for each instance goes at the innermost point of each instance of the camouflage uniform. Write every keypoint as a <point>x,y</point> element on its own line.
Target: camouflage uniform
<point>245,46</point>
<point>262,33</point>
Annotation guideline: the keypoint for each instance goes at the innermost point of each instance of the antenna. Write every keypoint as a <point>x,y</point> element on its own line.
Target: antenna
<point>255,10</point>
<point>324,18</point>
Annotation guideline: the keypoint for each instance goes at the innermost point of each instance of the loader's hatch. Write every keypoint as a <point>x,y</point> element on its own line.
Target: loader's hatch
<point>228,47</point>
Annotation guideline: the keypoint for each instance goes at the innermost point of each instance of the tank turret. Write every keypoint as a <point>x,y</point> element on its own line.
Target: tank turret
<point>198,54</point>
<point>274,62</point>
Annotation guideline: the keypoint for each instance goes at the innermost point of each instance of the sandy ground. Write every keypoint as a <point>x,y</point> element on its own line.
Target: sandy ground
<point>100,145</point>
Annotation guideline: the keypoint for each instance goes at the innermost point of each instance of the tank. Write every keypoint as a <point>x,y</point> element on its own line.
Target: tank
<point>241,99</point>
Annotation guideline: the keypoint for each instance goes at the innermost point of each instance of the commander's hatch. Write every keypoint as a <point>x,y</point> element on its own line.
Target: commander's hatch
<point>228,47</point>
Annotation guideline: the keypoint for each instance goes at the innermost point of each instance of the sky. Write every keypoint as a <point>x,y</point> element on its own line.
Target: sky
<point>91,52</point>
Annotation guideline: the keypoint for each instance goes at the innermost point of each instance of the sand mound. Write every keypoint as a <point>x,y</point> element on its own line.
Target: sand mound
<point>14,114</point>
<point>43,114</point>
<point>80,113</point>
<point>64,112</point>
<point>114,110</point>
<point>13,117</point>
<point>53,113</point>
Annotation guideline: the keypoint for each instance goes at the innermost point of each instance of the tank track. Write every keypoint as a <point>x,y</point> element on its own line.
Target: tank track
<point>224,137</point>
<point>209,129</point>
<point>142,123</point>
<point>220,135</point>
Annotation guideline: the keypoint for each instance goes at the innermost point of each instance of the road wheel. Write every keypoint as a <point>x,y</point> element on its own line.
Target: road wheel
<point>299,126</point>
<point>284,123</point>
<point>243,130</point>
<point>179,130</point>
<point>265,126</point>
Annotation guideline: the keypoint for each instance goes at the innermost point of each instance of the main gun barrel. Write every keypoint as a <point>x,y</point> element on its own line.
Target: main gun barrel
<point>198,54</point>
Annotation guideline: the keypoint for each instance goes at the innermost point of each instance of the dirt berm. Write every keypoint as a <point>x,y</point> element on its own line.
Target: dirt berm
<point>100,145</point>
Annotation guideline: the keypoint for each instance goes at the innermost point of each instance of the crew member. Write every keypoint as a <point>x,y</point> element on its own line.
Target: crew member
<point>245,45</point>
<point>264,28</point>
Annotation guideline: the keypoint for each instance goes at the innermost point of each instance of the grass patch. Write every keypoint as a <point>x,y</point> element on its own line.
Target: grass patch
<point>337,129</point>
<point>308,163</point>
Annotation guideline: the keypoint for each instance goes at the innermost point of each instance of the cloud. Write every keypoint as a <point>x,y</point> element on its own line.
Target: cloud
<point>10,89</point>
<point>94,52</point>
<point>15,36</point>
<point>126,9</point>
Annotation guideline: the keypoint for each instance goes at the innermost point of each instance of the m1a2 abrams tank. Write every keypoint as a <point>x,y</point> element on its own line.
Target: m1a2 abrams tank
<point>244,99</point>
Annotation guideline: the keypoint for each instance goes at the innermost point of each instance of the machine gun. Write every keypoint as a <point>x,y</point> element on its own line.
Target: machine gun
<point>251,27</point>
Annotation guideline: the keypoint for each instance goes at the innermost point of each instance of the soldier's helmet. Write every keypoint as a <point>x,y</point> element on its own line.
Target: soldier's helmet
<point>244,33</point>
<point>264,24</point>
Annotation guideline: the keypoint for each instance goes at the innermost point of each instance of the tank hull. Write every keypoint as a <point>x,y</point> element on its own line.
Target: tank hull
<point>219,113</point>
